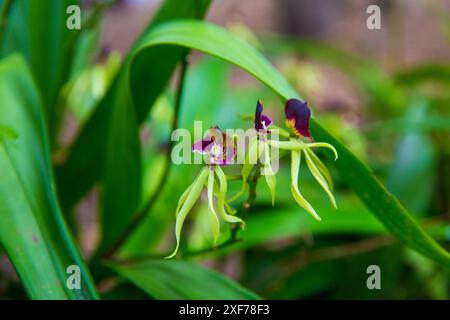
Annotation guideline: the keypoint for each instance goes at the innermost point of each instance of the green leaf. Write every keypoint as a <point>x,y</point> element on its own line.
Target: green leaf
<point>217,42</point>
<point>178,280</point>
<point>32,230</point>
<point>108,147</point>
<point>37,29</point>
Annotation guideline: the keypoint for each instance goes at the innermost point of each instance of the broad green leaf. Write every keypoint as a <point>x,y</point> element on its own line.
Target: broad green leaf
<point>108,147</point>
<point>217,42</point>
<point>37,29</point>
<point>32,230</point>
<point>179,280</point>
<point>214,73</point>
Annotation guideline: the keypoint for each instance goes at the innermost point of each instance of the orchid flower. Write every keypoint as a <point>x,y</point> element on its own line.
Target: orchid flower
<point>298,115</point>
<point>219,149</point>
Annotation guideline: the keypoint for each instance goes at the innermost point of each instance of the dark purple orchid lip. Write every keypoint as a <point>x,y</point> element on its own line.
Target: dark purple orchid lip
<point>298,115</point>
<point>262,121</point>
<point>219,147</point>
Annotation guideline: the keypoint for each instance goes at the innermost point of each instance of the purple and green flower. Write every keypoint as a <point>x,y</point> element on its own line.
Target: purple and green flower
<point>219,149</point>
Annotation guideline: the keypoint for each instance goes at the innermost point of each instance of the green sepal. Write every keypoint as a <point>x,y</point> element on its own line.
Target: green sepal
<point>295,166</point>
<point>221,199</point>
<point>318,176</point>
<point>191,197</point>
<point>212,212</point>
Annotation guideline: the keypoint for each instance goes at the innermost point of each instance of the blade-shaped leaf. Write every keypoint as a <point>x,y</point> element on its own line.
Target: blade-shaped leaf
<point>179,280</point>
<point>217,42</point>
<point>37,29</point>
<point>32,230</point>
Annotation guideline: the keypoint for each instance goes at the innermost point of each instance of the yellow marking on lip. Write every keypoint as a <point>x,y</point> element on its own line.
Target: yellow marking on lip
<point>290,123</point>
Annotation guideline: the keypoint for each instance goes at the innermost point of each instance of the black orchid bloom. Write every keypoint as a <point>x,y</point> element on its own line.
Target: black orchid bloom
<point>218,146</point>
<point>220,150</point>
<point>262,121</point>
<point>298,115</point>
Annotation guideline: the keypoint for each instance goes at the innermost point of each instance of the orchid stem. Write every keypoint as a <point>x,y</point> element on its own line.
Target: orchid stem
<point>231,177</point>
<point>144,212</point>
<point>248,204</point>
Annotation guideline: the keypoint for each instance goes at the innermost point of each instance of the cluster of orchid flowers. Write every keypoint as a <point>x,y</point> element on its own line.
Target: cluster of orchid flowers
<point>220,149</point>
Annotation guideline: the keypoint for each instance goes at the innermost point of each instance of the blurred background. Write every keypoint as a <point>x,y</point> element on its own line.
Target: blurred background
<point>385,93</point>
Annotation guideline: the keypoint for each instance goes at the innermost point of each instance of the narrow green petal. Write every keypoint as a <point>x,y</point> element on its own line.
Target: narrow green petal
<point>191,198</point>
<point>295,166</point>
<point>229,209</point>
<point>286,145</point>
<point>183,198</point>
<point>269,175</point>
<point>321,166</point>
<point>271,181</point>
<point>318,176</point>
<point>215,220</point>
<point>221,199</point>
<point>324,145</point>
